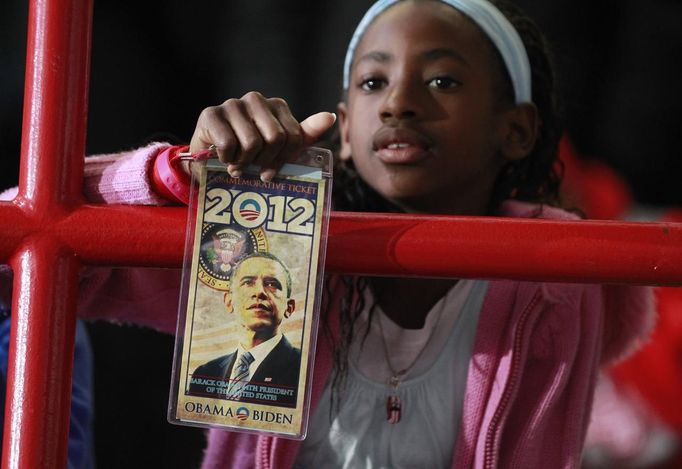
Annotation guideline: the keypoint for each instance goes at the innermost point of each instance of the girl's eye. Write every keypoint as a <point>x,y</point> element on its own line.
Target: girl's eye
<point>443,83</point>
<point>372,84</point>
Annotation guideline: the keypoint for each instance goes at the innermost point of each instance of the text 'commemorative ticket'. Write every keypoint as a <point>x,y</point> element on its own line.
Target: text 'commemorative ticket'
<point>250,300</point>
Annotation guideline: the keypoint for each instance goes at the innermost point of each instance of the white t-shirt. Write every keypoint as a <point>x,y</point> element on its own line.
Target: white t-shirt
<point>432,391</point>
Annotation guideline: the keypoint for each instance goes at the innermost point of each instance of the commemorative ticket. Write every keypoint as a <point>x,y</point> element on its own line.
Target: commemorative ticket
<point>250,300</point>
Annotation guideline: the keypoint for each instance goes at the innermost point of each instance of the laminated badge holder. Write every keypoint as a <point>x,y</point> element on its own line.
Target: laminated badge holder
<point>286,218</point>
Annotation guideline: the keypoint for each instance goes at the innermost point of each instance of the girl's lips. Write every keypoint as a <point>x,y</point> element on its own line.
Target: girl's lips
<point>400,145</point>
<point>404,155</point>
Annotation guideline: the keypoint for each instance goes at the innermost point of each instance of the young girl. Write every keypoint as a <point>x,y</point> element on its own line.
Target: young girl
<point>448,107</point>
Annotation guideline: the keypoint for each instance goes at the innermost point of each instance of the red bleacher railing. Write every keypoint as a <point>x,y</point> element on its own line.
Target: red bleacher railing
<point>48,232</point>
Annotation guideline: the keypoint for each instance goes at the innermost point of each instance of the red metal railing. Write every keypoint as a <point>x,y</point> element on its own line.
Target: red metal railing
<point>47,233</point>
<point>46,269</point>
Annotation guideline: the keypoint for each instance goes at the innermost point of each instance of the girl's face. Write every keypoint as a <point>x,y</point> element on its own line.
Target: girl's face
<point>424,121</point>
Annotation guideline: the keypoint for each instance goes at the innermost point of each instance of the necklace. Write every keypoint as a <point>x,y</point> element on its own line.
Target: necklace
<point>393,402</point>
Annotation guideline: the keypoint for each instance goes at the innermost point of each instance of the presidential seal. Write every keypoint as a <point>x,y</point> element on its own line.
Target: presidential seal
<point>221,247</point>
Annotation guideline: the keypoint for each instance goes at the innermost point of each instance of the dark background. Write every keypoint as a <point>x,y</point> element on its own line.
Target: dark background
<point>156,64</point>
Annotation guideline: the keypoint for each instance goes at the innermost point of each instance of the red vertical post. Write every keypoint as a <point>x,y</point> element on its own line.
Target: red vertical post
<point>41,357</point>
<point>46,273</point>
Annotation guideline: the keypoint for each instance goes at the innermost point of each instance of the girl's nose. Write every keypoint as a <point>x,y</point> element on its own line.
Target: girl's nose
<point>402,102</point>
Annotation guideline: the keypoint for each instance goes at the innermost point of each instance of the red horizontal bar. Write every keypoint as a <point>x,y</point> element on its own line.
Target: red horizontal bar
<point>14,225</point>
<point>409,245</point>
<point>523,249</point>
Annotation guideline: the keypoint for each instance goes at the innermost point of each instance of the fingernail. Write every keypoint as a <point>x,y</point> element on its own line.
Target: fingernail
<point>267,175</point>
<point>234,170</point>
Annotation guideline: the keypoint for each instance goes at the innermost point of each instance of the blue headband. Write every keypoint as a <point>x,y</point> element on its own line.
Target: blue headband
<point>493,23</point>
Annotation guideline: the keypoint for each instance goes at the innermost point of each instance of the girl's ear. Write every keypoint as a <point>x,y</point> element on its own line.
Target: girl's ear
<point>342,111</point>
<point>520,131</point>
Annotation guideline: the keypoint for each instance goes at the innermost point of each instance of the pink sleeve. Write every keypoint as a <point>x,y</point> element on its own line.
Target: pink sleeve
<point>142,296</point>
<point>9,194</point>
<point>621,424</point>
<point>123,178</point>
<point>629,320</point>
<point>5,271</point>
<point>118,178</point>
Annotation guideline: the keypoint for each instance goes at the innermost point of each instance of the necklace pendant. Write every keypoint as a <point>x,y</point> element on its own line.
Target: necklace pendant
<point>393,407</point>
<point>394,382</point>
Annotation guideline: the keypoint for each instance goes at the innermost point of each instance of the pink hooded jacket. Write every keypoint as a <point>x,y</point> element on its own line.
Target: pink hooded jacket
<point>533,368</point>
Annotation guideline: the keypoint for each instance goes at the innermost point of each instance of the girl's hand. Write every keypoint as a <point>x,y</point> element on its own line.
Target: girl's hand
<point>255,129</point>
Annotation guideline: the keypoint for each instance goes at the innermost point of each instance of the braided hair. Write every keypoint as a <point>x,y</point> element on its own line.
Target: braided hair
<point>537,177</point>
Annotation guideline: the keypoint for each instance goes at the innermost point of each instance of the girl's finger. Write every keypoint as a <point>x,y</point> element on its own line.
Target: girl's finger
<point>299,136</point>
<point>294,133</point>
<point>273,135</point>
<point>255,129</point>
<point>316,125</point>
<point>248,136</point>
<point>213,129</point>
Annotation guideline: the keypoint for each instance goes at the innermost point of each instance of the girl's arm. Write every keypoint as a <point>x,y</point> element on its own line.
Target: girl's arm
<point>119,294</point>
<point>124,178</point>
<point>142,296</point>
<point>121,178</point>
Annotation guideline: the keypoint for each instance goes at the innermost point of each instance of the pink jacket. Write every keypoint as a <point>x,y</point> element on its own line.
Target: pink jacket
<point>533,369</point>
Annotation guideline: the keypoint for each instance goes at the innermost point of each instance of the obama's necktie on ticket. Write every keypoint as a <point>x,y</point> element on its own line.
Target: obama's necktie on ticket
<point>241,377</point>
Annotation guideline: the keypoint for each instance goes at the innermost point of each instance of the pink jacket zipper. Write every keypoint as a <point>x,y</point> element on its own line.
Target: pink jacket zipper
<point>492,442</point>
<point>264,450</point>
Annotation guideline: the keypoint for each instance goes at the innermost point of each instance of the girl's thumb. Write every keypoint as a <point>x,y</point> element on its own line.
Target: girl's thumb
<point>317,124</point>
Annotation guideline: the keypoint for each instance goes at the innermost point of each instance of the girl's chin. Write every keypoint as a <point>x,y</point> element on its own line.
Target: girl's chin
<point>410,188</point>
<point>421,197</point>
<point>412,199</point>
<point>404,186</point>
